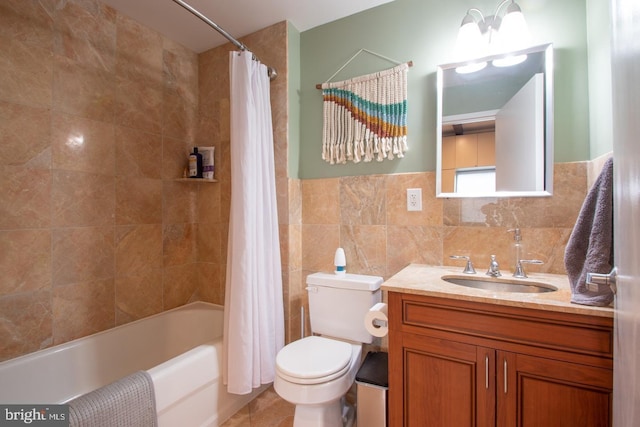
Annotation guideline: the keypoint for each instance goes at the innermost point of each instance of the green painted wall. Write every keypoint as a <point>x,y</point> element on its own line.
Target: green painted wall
<point>599,40</point>
<point>424,31</point>
<point>293,70</point>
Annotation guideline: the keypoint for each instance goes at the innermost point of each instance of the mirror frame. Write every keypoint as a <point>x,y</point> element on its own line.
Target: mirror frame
<point>547,50</point>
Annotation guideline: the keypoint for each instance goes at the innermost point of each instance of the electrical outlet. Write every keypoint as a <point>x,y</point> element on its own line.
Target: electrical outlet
<point>414,199</point>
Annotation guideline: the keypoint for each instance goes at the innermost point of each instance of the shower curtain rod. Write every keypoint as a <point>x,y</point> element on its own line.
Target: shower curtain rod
<point>270,70</point>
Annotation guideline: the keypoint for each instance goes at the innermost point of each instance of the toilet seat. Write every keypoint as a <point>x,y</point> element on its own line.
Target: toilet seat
<point>313,360</point>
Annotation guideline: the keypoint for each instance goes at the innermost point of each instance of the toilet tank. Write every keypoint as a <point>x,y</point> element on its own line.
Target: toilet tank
<point>338,304</point>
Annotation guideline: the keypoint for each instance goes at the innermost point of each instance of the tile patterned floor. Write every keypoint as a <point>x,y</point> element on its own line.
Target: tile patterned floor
<point>266,410</point>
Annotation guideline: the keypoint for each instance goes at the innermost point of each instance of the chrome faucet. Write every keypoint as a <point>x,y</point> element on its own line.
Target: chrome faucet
<point>494,268</point>
<point>519,272</point>
<point>468,269</point>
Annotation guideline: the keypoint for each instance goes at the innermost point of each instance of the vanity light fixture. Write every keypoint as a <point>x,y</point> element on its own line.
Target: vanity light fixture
<point>492,35</point>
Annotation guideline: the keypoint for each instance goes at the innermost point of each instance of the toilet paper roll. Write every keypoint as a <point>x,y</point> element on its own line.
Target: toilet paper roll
<point>376,321</point>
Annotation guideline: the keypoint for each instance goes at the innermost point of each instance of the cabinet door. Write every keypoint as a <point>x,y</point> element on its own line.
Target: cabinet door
<point>486,149</point>
<point>467,151</point>
<point>533,391</point>
<point>449,152</point>
<point>446,383</point>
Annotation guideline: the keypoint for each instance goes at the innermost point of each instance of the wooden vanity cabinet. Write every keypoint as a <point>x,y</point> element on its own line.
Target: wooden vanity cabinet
<point>461,363</point>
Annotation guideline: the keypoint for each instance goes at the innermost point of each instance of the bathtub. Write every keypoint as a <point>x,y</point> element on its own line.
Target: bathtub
<point>179,348</point>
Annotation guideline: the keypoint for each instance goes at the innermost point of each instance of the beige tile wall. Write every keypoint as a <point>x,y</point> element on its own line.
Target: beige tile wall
<point>97,114</point>
<point>367,216</point>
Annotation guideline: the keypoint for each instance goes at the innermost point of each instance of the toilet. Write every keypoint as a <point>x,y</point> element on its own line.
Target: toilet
<point>315,373</point>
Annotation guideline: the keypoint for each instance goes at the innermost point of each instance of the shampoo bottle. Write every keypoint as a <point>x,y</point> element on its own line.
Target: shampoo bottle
<point>195,164</point>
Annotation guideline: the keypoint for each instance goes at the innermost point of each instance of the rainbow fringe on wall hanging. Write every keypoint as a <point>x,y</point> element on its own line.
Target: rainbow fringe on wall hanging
<point>365,117</point>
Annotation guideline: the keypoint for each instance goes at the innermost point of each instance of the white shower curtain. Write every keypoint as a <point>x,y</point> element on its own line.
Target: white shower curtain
<point>254,314</point>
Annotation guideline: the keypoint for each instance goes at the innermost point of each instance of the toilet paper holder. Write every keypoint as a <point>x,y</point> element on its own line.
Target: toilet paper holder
<point>376,321</point>
<point>380,323</point>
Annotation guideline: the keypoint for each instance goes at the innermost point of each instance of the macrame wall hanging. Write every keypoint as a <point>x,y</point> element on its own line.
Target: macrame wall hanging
<point>365,117</point>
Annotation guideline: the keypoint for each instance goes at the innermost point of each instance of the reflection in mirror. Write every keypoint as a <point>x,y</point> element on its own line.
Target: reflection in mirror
<point>495,127</point>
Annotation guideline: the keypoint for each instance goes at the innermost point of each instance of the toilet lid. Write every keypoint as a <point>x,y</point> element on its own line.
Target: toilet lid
<point>313,360</point>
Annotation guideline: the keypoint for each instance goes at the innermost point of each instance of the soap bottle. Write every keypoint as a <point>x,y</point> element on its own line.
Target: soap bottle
<point>195,164</point>
<point>517,248</point>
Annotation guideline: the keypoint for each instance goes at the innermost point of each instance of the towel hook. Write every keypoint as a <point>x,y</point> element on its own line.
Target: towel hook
<point>596,279</point>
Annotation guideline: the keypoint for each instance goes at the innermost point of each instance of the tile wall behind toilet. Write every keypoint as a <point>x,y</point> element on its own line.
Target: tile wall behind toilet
<point>367,215</point>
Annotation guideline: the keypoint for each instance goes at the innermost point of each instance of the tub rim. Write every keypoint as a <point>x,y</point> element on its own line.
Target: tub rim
<point>76,341</point>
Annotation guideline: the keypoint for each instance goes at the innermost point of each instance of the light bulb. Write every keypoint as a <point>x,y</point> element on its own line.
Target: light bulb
<point>513,33</point>
<point>470,43</point>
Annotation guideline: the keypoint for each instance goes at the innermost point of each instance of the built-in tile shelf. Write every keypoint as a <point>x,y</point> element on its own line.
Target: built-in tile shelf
<point>195,180</point>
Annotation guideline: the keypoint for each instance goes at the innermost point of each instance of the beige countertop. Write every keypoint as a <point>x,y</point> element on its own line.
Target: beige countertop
<point>427,280</point>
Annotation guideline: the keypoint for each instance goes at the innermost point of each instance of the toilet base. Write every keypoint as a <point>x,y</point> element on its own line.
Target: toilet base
<point>338,413</point>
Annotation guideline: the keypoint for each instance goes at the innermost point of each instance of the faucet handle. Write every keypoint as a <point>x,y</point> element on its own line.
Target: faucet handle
<point>520,273</point>
<point>468,269</point>
<point>494,268</point>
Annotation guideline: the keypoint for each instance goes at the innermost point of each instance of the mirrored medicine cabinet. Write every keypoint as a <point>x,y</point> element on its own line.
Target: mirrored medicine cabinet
<point>495,126</point>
